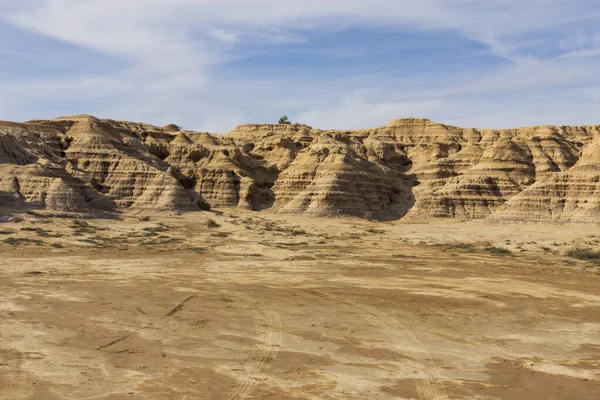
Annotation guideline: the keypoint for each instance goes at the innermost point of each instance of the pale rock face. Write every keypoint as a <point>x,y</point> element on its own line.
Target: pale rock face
<point>572,195</point>
<point>411,168</point>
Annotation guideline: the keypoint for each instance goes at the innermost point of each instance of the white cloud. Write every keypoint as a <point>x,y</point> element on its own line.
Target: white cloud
<point>355,112</point>
<point>225,36</point>
<point>170,51</point>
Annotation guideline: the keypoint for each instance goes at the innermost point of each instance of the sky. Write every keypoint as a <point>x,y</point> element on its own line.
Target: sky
<point>211,65</point>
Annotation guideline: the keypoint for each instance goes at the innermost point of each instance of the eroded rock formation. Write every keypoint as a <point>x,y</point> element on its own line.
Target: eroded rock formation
<point>410,168</point>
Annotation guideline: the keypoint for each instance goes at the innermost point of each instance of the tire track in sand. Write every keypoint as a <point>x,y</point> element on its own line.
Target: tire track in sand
<point>429,387</point>
<point>268,331</point>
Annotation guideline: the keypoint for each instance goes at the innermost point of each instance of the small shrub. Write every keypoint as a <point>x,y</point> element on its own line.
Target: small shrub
<point>77,222</point>
<point>583,253</point>
<point>48,234</point>
<point>284,120</point>
<point>162,242</point>
<point>6,232</point>
<point>99,242</point>
<point>57,245</point>
<point>221,234</point>
<point>298,232</point>
<point>500,251</point>
<point>20,241</point>
<point>458,246</point>
<point>82,227</point>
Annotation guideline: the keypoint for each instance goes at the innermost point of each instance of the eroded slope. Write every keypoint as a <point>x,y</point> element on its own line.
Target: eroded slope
<point>410,167</point>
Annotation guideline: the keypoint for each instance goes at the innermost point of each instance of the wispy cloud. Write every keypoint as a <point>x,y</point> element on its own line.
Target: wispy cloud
<point>175,61</point>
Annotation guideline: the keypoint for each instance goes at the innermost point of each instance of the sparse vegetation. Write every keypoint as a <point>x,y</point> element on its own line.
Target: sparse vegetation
<point>499,251</point>
<point>325,276</point>
<point>457,246</point>
<point>99,241</point>
<point>13,241</point>
<point>297,232</point>
<point>41,232</point>
<point>283,245</point>
<point>25,241</point>
<point>584,253</point>
<point>152,231</point>
<point>284,120</point>
<point>82,228</point>
<point>149,234</point>
<point>221,234</point>
<point>162,242</point>
<point>48,234</point>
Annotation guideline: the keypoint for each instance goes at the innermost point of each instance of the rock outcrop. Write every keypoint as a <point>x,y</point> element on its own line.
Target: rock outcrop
<point>411,168</point>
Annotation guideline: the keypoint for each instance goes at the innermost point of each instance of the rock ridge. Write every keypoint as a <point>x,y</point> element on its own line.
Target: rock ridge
<point>410,168</point>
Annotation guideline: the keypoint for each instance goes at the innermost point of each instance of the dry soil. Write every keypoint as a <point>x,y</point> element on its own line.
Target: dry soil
<point>266,306</point>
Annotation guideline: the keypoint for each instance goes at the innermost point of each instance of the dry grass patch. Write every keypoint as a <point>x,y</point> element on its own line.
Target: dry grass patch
<point>498,251</point>
<point>584,253</point>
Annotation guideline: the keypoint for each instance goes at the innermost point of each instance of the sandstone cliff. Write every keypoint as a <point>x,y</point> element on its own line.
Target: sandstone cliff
<point>411,168</point>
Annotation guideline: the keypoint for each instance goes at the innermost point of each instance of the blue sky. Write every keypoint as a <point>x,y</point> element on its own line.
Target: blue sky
<point>213,64</point>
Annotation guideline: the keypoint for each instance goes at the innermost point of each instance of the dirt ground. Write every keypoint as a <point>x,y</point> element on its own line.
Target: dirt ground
<point>238,305</point>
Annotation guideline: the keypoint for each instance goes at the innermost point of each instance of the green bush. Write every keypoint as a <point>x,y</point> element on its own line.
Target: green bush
<point>284,120</point>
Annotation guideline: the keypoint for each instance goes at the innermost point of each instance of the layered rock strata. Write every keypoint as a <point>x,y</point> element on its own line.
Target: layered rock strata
<point>410,168</point>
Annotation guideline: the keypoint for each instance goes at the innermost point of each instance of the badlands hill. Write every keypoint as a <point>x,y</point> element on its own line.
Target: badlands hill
<point>411,168</point>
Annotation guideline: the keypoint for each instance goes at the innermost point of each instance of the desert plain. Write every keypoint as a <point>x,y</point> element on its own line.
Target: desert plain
<point>233,304</point>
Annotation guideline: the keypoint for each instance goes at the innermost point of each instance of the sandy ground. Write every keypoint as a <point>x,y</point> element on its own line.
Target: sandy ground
<point>266,306</point>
